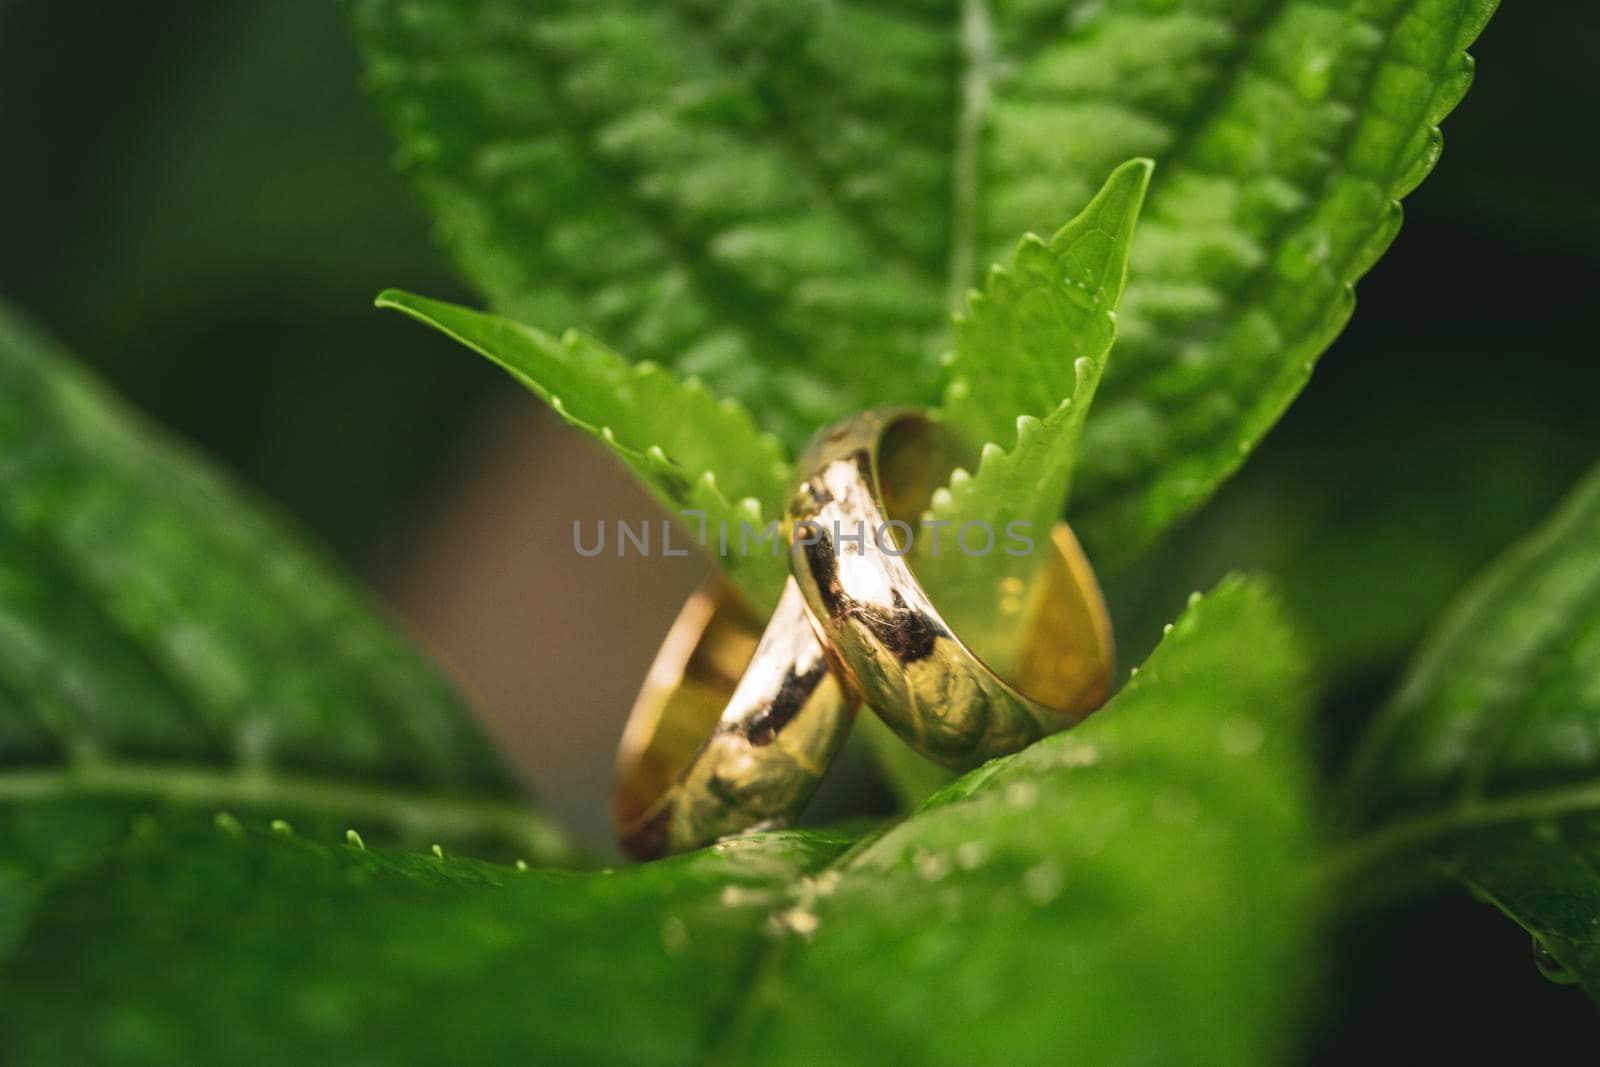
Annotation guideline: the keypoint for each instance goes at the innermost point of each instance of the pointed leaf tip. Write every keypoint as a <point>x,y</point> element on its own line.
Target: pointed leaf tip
<point>670,433</point>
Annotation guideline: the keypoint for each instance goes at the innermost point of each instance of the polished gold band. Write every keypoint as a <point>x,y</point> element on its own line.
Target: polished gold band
<point>734,727</point>
<point>884,633</point>
<point>730,732</point>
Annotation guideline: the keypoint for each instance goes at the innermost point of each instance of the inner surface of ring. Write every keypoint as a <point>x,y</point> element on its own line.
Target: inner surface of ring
<point>912,463</point>
<point>700,663</point>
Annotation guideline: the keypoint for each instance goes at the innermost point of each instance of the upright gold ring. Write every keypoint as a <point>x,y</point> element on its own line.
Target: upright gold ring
<point>885,634</point>
<point>731,732</point>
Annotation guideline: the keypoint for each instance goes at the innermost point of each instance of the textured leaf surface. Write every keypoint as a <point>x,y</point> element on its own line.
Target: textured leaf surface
<point>1285,132</point>
<point>163,641</point>
<point>692,451</point>
<point>249,947</point>
<point>789,199</point>
<point>1029,355</point>
<point>1020,340</point>
<point>759,195</point>
<point>1135,891</point>
<point>1487,762</point>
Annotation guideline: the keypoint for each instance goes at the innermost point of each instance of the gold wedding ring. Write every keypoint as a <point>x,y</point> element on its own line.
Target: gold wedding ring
<point>733,728</point>
<point>885,635</point>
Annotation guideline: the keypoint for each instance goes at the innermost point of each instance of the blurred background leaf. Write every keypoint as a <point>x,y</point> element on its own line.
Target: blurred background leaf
<point>1485,763</point>
<point>276,948</point>
<point>204,199</point>
<point>167,644</point>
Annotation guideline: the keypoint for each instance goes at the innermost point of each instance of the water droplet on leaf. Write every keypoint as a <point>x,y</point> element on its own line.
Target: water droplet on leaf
<point>1021,794</point>
<point>796,920</point>
<point>1241,736</point>
<point>1043,883</point>
<point>674,935</point>
<point>1550,967</point>
<point>971,854</point>
<point>932,866</point>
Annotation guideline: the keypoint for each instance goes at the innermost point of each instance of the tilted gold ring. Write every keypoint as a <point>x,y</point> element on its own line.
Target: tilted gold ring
<point>730,732</point>
<point>891,643</point>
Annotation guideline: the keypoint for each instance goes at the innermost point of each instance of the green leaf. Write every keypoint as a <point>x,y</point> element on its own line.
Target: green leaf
<point>757,195</point>
<point>1284,136</point>
<point>1138,890</point>
<point>1029,355</point>
<point>1019,344</point>
<point>1486,761</point>
<point>693,452</point>
<point>247,947</point>
<point>790,199</point>
<point>165,642</point>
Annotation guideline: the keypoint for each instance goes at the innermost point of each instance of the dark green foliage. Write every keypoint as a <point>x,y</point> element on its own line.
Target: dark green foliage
<point>1487,762</point>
